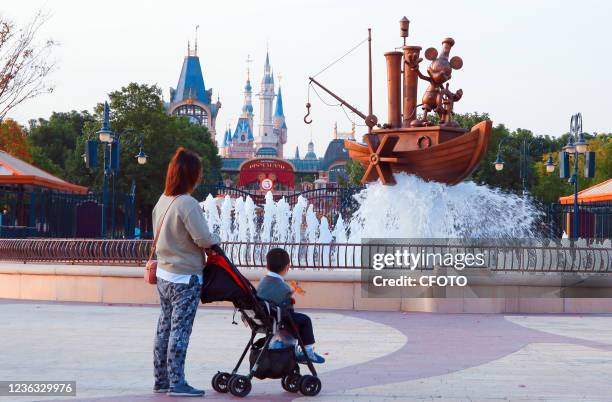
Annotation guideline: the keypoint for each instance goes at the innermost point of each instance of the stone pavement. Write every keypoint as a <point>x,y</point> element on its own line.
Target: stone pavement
<point>371,356</point>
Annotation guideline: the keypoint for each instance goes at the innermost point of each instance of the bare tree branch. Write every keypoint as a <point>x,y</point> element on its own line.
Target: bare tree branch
<point>24,63</point>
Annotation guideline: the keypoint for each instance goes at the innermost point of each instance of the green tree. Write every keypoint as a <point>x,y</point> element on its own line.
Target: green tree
<point>137,111</point>
<point>53,141</point>
<point>355,172</point>
<point>549,186</point>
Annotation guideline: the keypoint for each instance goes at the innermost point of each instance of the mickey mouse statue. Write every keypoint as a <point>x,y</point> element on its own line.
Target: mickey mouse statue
<point>437,97</point>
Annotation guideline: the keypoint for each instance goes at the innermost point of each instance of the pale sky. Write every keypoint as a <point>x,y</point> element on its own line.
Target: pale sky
<point>530,64</point>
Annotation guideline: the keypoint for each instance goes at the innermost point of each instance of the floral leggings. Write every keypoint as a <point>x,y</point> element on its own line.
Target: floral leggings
<point>179,303</point>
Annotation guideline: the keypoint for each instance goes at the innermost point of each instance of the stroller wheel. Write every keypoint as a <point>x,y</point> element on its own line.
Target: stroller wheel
<point>310,385</point>
<point>240,385</point>
<point>220,382</point>
<point>291,382</point>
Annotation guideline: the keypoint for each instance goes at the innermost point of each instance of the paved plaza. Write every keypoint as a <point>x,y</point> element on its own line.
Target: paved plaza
<point>371,356</point>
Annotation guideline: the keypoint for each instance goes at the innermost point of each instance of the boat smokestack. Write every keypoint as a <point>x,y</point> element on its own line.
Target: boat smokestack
<point>411,83</point>
<point>394,86</point>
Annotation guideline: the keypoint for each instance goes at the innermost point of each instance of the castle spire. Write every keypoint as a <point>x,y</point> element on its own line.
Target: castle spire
<point>279,104</point>
<point>249,61</point>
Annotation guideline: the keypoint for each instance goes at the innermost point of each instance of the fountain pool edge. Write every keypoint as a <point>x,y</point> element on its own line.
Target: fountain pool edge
<point>338,289</point>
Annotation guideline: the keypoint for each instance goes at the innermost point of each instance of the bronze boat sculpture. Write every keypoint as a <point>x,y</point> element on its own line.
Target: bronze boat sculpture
<point>440,151</point>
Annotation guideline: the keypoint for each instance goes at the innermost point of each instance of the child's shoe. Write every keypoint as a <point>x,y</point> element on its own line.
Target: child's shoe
<point>314,357</point>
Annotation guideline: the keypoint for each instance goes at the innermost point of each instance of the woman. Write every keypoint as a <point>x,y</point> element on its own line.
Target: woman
<point>183,236</point>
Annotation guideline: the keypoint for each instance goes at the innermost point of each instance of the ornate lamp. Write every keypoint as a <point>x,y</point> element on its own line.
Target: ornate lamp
<point>570,148</point>
<point>499,163</point>
<point>581,144</point>
<point>105,134</point>
<point>141,157</point>
<point>550,165</point>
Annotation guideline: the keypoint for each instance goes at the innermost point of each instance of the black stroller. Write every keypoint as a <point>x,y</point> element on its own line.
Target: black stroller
<point>223,282</point>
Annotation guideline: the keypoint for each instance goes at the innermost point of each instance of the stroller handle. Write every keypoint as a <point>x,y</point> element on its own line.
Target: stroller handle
<point>217,249</point>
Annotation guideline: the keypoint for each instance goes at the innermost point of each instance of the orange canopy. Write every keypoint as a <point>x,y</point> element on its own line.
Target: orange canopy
<point>15,171</point>
<point>597,193</point>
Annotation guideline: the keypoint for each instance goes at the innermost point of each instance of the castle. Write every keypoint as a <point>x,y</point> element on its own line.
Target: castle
<point>254,155</point>
<point>190,98</point>
<point>272,129</point>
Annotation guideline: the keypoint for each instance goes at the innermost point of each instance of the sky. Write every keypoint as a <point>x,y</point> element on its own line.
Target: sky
<point>529,64</point>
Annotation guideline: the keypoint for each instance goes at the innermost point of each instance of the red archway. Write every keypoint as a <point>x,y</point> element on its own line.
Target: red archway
<point>256,170</point>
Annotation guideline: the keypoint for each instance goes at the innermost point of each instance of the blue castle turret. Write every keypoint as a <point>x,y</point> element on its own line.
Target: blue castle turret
<point>272,128</point>
<point>190,98</point>
<point>240,144</point>
<point>280,126</point>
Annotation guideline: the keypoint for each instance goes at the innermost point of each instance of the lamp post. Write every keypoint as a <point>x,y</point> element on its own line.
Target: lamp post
<point>575,147</point>
<point>110,141</point>
<point>524,153</point>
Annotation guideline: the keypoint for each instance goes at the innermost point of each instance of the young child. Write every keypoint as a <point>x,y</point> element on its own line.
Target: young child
<point>273,288</point>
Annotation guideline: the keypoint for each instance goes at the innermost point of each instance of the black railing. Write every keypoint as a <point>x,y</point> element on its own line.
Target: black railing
<point>328,201</point>
<point>44,213</point>
<point>537,257</point>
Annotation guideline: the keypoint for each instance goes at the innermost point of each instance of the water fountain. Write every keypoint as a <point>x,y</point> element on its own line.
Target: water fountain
<point>415,171</point>
<point>414,208</point>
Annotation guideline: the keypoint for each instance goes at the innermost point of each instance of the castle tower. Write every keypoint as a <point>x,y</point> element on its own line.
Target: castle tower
<point>240,143</point>
<point>247,108</point>
<point>310,155</point>
<point>280,127</point>
<point>266,137</point>
<point>190,98</point>
<point>227,143</point>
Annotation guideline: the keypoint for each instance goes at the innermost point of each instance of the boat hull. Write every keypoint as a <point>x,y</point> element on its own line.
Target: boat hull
<point>447,162</point>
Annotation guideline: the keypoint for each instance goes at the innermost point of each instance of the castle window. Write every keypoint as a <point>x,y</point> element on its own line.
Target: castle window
<point>194,112</point>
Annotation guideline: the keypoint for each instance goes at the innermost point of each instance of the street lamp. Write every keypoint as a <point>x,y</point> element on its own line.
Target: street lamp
<point>581,145</point>
<point>576,146</point>
<point>499,163</point>
<point>141,157</point>
<point>550,164</point>
<point>110,141</point>
<point>105,134</point>
<point>524,153</point>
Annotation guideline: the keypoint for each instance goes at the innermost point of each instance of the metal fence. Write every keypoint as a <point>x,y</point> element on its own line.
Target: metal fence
<point>329,201</point>
<point>41,213</point>
<point>595,220</point>
<point>35,213</point>
<point>553,257</point>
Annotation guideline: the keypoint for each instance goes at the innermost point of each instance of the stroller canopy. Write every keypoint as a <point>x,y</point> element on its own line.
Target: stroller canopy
<point>223,282</point>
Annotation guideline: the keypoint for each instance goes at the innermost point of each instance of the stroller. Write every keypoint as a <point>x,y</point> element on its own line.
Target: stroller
<point>223,282</point>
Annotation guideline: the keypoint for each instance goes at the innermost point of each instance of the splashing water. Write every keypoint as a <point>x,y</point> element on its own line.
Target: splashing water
<point>414,208</point>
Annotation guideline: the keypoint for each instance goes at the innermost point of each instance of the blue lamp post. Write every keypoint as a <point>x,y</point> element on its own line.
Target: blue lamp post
<point>110,141</point>
<point>524,153</point>
<point>576,146</point>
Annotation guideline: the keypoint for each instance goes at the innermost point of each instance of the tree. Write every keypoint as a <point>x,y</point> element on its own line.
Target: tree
<point>24,64</point>
<point>138,114</point>
<point>13,140</point>
<point>55,139</point>
<point>549,186</point>
<point>354,172</point>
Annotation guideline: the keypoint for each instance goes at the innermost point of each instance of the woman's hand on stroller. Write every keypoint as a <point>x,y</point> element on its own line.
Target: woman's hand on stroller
<point>215,249</point>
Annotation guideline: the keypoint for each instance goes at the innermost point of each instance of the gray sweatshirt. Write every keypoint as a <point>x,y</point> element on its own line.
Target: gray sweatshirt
<point>183,235</point>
